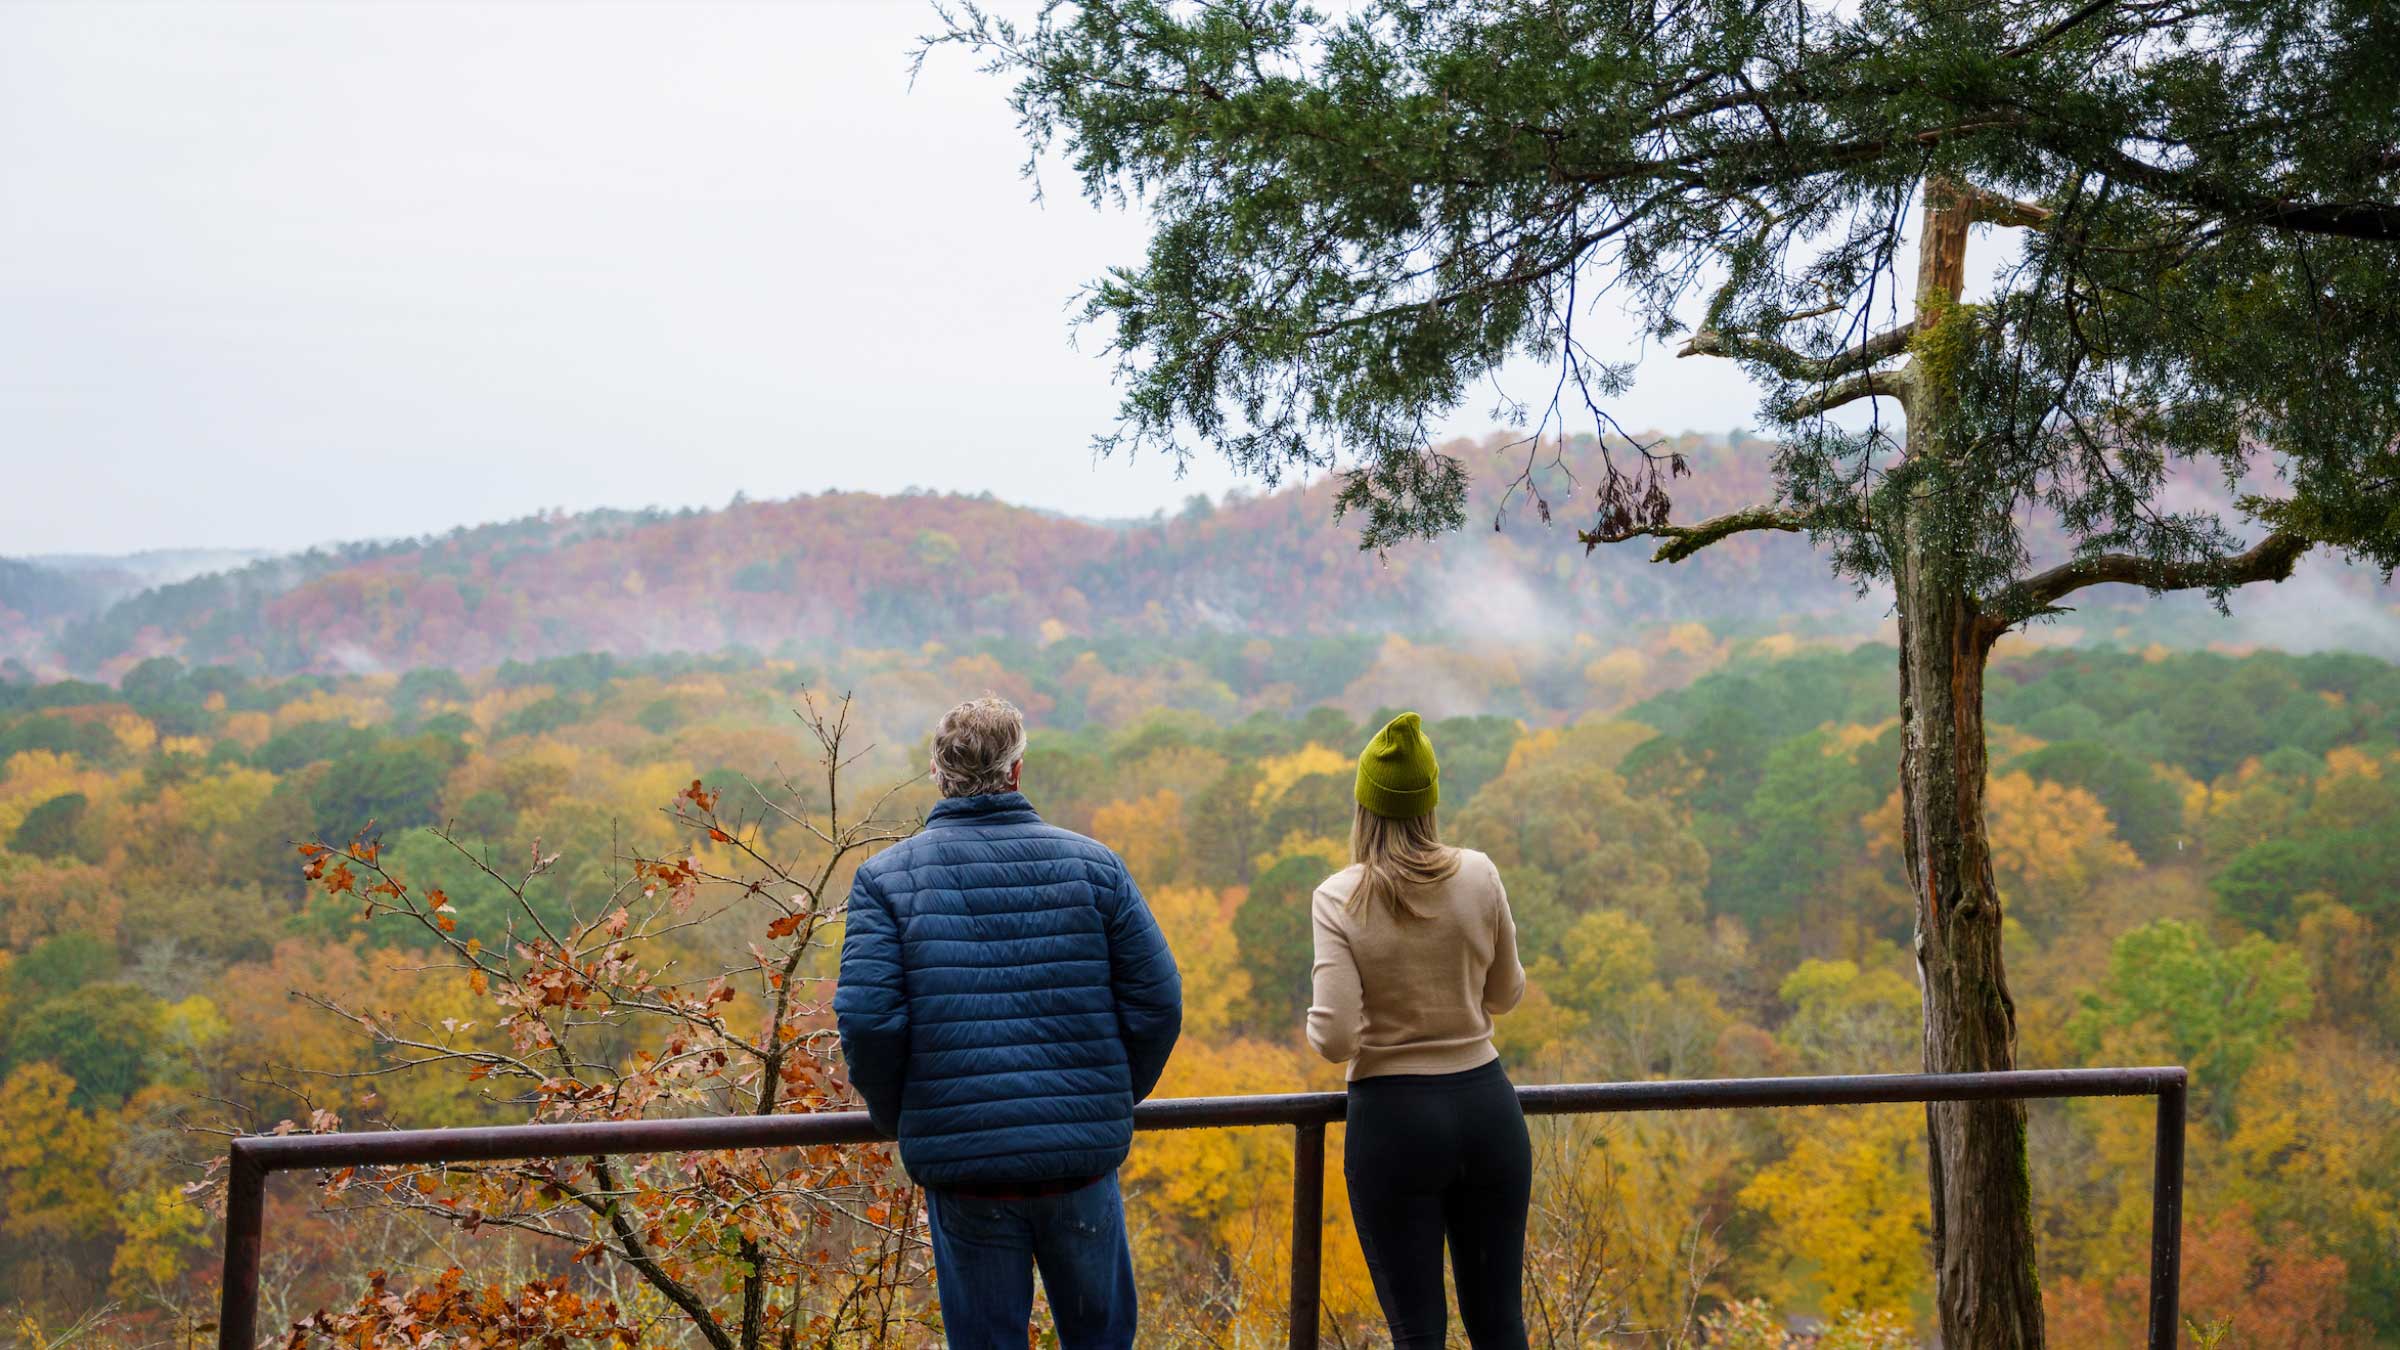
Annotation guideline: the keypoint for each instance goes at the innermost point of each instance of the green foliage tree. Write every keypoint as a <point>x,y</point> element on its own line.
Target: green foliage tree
<point>1473,750</point>
<point>544,717</point>
<point>310,743</point>
<point>1570,838</point>
<point>1319,806</point>
<point>60,965</point>
<point>156,680</point>
<point>2261,886</point>
<point>53,829</point>
<point>484,816</point>
<point>2173,991</point>
<point>428,684</point>
<point>1717,735</point>
<point>1800,829</point>
<point>89,741</point>
<point>1359,218</point>
<point>394,786</point>
<point>2145,808</point>
<point>1224,832</point>
<point>103,1033</point>
<point>1272,930</point>
<point>660,716</point>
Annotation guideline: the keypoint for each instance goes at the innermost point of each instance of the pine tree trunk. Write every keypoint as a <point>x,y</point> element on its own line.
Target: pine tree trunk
<point>1988,1288</point>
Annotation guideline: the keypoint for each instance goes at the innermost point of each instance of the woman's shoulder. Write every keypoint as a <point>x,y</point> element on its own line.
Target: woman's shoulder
<point>1479,873</point>
<point>1338,888</point>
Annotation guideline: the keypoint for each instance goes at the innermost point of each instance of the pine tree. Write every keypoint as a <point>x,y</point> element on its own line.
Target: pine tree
<point>1358,219</point>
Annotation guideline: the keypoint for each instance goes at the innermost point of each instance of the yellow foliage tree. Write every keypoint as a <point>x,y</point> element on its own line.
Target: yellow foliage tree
<point>1661,1179</point>
<point>2051,844</point>
<point>1849,1209</point>
<point>1218,1265</point>
<point>1277,773</point>
<point>1850,1215</point>
<point>1333,853</point>
<point>158,1230</point>
<point>1148,833</point>
<point>53,1160</point>
<point>1619,678</point>
<point>134,732</point>
<point>349,706</point>
<point>2318,1139</point>
<point>36,776</point>
<point>1199,927</point>
<point>225,798</point>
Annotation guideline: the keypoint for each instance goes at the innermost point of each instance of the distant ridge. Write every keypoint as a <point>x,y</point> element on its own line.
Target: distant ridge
<point>848,570</point>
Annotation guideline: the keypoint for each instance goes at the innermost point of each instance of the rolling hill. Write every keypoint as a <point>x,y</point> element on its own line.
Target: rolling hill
<point>854,570</point>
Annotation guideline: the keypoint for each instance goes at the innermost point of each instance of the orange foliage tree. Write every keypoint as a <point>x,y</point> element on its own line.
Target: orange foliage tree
<point>2241,1286</point>
<point>593,1021</point>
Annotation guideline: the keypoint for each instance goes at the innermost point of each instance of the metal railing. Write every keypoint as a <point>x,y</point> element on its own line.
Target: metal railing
<point>255,1158</point>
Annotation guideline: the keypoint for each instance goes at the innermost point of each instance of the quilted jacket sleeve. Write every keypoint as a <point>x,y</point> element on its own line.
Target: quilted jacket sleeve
<point>1149,991</point>
<point>870,1004</point>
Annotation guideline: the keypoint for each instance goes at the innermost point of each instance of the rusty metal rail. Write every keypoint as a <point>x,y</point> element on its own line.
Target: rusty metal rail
<point>256,1157</point>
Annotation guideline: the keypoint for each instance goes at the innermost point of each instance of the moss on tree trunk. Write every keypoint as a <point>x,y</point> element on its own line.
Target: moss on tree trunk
<point>1989,1292</point>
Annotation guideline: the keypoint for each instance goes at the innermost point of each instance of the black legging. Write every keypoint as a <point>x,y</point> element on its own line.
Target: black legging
<point>1431,1156</point>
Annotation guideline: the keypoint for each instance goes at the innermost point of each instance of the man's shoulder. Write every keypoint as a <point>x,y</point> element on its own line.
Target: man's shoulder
<point>966,843</point>
<point>1083,843</point>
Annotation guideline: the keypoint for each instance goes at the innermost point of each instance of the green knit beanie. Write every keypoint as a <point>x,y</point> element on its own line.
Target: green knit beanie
<point>1397,776</point>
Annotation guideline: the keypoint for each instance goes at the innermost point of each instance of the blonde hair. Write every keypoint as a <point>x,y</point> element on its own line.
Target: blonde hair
<point>974,746</point>
<point>1396,857</point>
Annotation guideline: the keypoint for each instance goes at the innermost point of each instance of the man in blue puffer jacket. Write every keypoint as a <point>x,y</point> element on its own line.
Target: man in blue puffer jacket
<point>1005,999</point>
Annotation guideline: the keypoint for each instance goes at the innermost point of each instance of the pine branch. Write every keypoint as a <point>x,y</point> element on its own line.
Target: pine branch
<point>1682,541</point>
<point>2375,221</point>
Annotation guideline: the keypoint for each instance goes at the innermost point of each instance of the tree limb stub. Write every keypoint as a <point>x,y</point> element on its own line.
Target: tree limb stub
<point>1993,208</point>
<point>1791,364</point>
<point>1682,541</point>
<point>1893,384</point>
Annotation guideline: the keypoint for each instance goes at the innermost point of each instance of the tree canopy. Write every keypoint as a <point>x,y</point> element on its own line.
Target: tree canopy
<point>1359,218</point>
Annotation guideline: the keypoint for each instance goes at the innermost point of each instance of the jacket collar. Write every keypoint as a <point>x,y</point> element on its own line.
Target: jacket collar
<point>991,808</point>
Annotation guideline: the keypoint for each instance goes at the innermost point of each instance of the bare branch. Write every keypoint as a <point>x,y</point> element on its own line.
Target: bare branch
<point>1682,541</point>
<point>2270,559</point>
<point>639,1256</point>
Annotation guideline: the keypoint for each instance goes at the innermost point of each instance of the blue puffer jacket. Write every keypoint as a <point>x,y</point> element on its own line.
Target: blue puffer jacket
<point>1005,997</point>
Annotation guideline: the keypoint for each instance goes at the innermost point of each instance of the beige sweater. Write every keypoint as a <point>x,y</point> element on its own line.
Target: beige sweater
<point>1406,994</point>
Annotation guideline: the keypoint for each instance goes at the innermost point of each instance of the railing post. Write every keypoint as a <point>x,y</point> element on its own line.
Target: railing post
<point>245,1219</point>
<point>2166,1219</point>
<point>1308,1229</point>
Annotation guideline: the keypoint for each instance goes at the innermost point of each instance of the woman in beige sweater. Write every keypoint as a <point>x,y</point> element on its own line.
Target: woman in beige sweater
<point>1415,955</point>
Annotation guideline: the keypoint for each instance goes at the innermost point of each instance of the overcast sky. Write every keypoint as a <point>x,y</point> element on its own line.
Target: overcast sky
<point>273,275</point>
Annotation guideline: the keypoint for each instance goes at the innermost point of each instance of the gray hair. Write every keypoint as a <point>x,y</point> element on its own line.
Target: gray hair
<point>974,746</point>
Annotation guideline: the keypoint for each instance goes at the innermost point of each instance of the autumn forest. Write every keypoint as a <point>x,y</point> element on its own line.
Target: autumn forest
<point>405,866</point>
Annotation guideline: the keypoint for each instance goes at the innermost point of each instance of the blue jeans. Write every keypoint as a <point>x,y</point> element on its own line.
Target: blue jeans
<point>985,1251</point>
